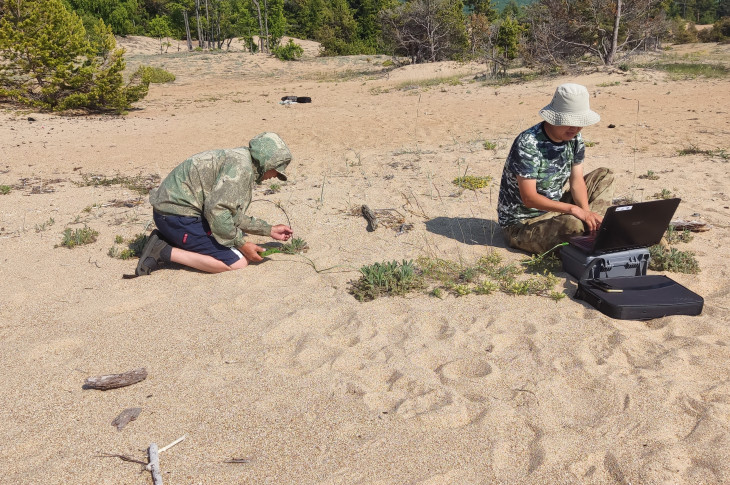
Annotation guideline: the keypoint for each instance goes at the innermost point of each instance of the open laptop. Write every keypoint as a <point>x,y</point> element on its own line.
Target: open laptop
<point>629,226</point>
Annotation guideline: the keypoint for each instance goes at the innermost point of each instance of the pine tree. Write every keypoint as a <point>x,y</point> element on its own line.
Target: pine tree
<point>49,62</point>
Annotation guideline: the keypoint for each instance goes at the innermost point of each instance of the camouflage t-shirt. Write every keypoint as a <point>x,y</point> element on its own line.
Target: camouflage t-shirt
<point>535,156</point>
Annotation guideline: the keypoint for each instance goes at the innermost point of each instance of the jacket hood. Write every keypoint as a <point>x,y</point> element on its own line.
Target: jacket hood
<point>269,151</point>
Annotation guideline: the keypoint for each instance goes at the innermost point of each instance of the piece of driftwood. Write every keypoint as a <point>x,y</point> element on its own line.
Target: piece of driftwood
<point>693,226</point>
<point>238,460</point>
<point>165,448</point>
<point>113,381</point>
<point>124,418</point>
<point>154,465</point>
<point>370,216</point>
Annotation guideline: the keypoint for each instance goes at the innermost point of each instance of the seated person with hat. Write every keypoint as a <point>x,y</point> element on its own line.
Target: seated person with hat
<point>535,212</point>
<point>199,209</point>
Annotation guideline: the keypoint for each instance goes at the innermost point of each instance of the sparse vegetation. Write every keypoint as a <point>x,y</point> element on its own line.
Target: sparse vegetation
<point>693,150</point>
<point>133,247</point>
<point>649,175</point>
<point>42,227</point>
<point>490,145</point>
<point>429,83</point>
<point>664,194</point>
<point>140,184</point>
<point>4,189</point>
<point>672,259</point>
<point>442,276</point>
<point>78,237</point>
<point>472,182</point>
<point>673,236</point>
<point>690,70</point>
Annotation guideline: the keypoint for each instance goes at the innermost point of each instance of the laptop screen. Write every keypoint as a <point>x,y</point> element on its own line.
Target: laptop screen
<point>635,225</point>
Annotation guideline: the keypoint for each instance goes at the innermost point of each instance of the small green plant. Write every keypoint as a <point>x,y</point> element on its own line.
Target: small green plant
<point>608,84</point>
<point>275,188</point>
<point>4,189</point>
<point>490,145</point>
<point>649,175</point>
<point>472,182</point>
<point>385,279</point>
<point>664,194</point>
<point>42,227</point>
<point>156,75</point>
<point>557,295</point>
<point>673,236</point>
<point>590,144</point>
<point>133,247</point>
<point>437,293</point>
<point>78,237</point>
<point>289,52</point>
<point>296,245</point>
<point>672,259</point>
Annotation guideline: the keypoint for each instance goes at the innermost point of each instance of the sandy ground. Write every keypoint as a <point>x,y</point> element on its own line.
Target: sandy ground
<point>279,365</point>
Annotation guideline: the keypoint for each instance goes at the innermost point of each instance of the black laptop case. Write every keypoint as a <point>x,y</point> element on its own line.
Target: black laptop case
<point>637,297</point>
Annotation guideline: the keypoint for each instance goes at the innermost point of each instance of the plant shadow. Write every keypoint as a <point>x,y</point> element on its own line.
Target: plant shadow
<point>468,230</point>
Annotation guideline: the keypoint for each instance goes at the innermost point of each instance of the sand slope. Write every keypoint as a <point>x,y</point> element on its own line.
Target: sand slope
<point>280,365</point>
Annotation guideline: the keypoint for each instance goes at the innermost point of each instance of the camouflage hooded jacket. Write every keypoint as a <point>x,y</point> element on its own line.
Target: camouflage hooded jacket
<point>535,156</point>
<point>218,185</point>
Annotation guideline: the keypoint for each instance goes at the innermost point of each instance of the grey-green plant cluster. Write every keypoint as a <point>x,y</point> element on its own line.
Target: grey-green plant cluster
<point>440,276</point>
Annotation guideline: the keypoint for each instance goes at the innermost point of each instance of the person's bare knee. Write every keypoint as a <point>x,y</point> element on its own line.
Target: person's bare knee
<point>240,264</point>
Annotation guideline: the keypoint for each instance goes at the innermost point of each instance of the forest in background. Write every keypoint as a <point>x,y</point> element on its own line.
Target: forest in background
<point>62,54</point>
<point>449,29</point>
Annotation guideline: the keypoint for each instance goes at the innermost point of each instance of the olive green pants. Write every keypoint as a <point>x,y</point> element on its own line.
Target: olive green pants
<point>546,231</point>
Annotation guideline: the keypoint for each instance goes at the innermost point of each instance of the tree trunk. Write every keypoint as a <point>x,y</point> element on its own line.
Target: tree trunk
<point>187,30</point>
<point>261,25</point>
<point>210,28</point>
<point>266,26</point>
<point>200,29</point>
<point>614,41</point>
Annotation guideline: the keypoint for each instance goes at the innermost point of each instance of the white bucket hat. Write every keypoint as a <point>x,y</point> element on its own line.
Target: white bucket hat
<point>569,107</point>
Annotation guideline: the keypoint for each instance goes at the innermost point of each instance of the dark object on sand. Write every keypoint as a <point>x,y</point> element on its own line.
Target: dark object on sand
<point>125,417</point>
<point>297,99</point>
<point>113,381</point>
<point>612,125</point>
<point>370,216</point>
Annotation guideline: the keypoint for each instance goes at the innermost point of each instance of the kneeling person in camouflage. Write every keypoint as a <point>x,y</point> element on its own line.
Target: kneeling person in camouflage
<point>535,212</point>
<point>200,208</point>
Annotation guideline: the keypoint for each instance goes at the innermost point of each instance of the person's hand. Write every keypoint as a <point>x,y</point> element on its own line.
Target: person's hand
<point>281,232</point>
<point>591,219</point>
<point>251,252</point>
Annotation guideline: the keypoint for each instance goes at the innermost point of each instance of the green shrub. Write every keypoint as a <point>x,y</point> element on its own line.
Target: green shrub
<point>5,189</point>
<point>289,52</point>
<point>155,75</point>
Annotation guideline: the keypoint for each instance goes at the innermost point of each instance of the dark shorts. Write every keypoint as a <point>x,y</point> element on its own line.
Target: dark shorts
<point>193,234</point>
